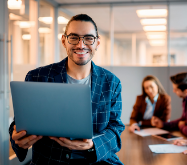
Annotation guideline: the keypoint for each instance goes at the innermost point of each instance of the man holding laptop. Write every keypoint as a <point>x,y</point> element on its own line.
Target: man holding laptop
<point>81,40</point>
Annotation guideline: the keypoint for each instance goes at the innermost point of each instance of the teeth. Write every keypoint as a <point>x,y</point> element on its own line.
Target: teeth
<point>81,52</point>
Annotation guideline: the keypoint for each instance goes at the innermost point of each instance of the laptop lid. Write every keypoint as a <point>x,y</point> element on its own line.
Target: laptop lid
<point>53,109</point>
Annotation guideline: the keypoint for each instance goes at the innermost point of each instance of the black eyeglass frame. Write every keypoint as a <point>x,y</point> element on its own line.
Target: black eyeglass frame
<point>82,38</point>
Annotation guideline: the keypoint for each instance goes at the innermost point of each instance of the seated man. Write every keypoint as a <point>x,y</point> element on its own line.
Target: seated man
<point>179,83</point>
<point>81,40</point>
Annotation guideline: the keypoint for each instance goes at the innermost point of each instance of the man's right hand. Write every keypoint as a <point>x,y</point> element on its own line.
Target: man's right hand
<point>156,122</point>
<point>24,142</point>
<point>134,127</point>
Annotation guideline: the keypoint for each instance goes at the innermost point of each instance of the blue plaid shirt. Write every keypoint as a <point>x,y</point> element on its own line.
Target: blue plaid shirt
<point>106,115</point>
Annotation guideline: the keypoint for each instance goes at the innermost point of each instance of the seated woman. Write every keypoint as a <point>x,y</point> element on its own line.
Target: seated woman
<point>153,102</point>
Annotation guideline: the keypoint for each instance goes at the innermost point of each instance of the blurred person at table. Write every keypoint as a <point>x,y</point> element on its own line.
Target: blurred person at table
<point>153,102</point>
<point>181,143</point>
<point>179,82</point>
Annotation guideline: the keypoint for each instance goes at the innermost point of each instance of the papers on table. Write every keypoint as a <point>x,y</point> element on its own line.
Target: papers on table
<point>167,148</point>
<point>150,131</point>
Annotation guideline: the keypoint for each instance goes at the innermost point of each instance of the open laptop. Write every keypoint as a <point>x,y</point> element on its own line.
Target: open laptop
<point>53,109</point>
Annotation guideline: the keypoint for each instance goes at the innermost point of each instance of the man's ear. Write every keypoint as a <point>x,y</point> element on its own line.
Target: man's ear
<point>63,39</point>
<point>98,42</point>
<point>185,92</point>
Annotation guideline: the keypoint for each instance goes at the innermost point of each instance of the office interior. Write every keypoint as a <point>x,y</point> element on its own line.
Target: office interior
<point>138,38</point>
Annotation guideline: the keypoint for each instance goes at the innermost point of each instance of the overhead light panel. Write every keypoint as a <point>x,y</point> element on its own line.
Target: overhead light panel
<point>156,35</point>
<point>152,13</point>
<point>26,37</point>
<point>44,30</point>
<point>154,28</point>
<point>161,21</point>
<point>62,20</point>
<point>14,4</point>
<point>25,24</point>
<point>46,20</point>
<point>14,17</point>
<point>157,42</point>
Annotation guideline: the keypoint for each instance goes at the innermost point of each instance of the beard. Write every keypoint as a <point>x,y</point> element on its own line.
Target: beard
<point>81,60</point>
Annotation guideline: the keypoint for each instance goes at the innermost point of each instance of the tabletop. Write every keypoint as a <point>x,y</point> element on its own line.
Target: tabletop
<point>135,150</point>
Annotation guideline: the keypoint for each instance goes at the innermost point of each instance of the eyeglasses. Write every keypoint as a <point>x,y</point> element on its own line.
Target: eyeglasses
<point>74,39</point>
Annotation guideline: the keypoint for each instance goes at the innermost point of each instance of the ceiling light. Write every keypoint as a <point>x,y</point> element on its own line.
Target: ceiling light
<point>44,30</point>
<point>60,36</point>
<point>14,4</point>
<point>154,28</point>
<point>25,24</point>
<point>156,35</point>
<point>26,37</point>
<point>153,21</point>
<point>157,42</point>
<point>46,20</point>
<point>152,13</point>
<point>62,20</point>
<point>14,17</point>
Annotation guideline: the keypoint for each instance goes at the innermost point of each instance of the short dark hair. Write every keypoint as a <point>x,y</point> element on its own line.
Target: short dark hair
<point>82,17</point>
<point>157,82</point>
<point>180,80</point>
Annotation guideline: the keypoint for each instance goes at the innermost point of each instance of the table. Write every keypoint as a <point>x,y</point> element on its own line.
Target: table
<point>135,151</point>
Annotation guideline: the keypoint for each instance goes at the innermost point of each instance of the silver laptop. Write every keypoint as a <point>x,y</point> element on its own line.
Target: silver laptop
<point>53,109</point>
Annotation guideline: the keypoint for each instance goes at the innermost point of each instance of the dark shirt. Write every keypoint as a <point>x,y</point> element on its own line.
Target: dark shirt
<point>173,125</point>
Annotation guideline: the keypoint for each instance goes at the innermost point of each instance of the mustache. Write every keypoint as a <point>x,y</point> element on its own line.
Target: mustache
<point>82,49</point>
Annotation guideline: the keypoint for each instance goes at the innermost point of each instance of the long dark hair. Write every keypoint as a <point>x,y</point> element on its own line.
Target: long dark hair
<point>157,82</point>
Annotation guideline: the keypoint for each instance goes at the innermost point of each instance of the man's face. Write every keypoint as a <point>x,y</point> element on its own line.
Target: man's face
<point>80,54</point>
<point>178,92</point>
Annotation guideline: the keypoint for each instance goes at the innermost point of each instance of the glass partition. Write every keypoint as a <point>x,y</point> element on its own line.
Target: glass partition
<point>140,35</point>
<point>46,34</point>
<point>23,28</point>
<point>178,34</point>
<point>63,19</point>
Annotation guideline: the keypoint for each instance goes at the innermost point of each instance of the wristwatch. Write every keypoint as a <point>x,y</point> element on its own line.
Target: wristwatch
<point>91,149</point>
<point>92,154</point>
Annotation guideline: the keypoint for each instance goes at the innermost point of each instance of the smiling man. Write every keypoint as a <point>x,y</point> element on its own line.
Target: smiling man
<point>80,40</point>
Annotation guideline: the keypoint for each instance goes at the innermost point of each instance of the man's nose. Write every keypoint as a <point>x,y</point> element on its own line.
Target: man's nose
<point>81,43</point>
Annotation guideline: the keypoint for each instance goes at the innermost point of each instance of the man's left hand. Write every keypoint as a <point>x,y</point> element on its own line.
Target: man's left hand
<point>181,123</point>
<point>84,144</point>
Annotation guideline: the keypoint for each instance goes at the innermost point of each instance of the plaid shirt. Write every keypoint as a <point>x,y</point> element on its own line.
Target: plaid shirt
<point>106,115</point>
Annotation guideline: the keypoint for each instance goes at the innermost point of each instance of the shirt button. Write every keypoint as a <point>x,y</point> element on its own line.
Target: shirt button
<point>67,156</point>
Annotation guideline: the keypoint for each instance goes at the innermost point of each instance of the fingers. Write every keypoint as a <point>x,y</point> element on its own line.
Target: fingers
<point>180,142</point>
<point>177,142</point>
<point>137,128</point>
<point>134,127</point>
<point>17,135</point>
<point>185,152</point>
<point>30,143</point>
<point>74,144</point>
<point>61,142</point>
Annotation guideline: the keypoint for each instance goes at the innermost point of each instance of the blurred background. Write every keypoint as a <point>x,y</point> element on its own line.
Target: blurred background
<point>138,38</point>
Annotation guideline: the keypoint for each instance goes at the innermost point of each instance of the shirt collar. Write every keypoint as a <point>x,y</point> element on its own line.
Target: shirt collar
<point>155,98</point>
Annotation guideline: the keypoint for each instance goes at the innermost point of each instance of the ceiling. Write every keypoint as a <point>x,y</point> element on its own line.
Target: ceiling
<point>126,20</point>
<point>105,1</point>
